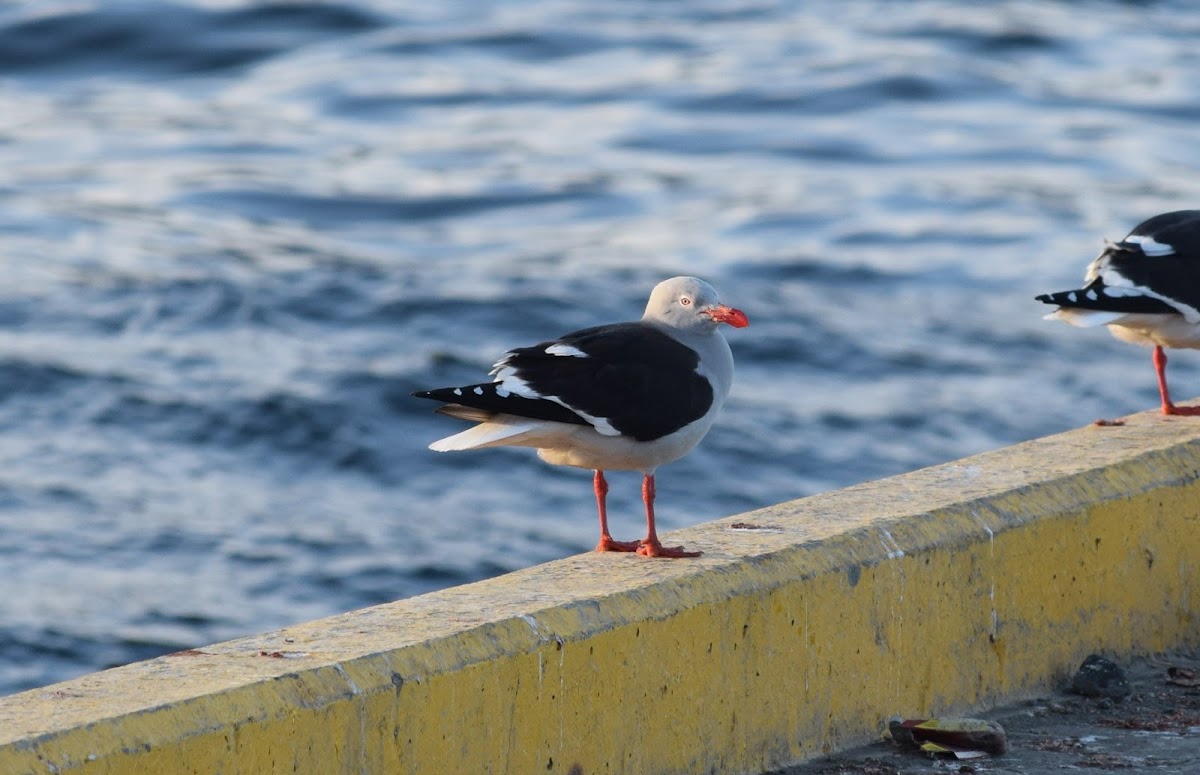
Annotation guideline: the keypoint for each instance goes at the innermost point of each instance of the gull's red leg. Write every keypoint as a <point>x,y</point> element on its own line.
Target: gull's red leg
<point>1160,368</point>
<point>606,543</point>
<point>650,544</point>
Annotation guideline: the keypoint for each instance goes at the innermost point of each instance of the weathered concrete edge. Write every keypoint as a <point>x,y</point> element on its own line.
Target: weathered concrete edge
<point>803,627</point>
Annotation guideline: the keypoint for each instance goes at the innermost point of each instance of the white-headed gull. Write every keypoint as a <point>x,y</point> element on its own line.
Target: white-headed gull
<point>1146,289</point>
<point>627,396</point>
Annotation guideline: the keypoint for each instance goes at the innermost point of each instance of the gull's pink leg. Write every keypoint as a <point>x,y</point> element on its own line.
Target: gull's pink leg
<point>1160,368</point>
<point>650,544</point>
<point>606,543</point>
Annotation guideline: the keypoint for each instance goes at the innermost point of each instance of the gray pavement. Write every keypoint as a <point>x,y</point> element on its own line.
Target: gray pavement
<point>1155,730</point>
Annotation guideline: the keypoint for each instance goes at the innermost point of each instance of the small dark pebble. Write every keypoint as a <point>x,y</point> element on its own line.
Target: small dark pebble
<point>1100,677</point>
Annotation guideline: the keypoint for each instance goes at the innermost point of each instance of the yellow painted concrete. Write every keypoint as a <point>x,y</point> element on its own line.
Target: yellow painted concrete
<point>954,587</point>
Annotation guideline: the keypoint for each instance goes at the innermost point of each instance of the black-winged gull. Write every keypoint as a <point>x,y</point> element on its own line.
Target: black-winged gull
<point>627,396</point>
<point>1146,289</point>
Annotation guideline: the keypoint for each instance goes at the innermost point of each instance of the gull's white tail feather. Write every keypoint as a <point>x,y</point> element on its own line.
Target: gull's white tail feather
<point>487,434</point>
<point>1084,318</point>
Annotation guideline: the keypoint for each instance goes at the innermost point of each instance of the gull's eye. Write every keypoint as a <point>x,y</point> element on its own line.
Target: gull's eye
<point>685,301</point>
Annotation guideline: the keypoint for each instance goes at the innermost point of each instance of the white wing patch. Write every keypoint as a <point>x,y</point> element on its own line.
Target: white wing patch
<point>507,380</point>
<point>1120,285</point>
<point>1150,246</point>
<point>509,383</point>
<point>565,350</point>
<point>601,424</point>
<point>1118,291</point>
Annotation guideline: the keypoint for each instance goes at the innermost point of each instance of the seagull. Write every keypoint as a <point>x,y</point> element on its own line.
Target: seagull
<point>1146,289</point>
<point>625,396</point>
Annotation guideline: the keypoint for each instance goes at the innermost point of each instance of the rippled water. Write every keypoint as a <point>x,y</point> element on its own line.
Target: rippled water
<point>235,236</point>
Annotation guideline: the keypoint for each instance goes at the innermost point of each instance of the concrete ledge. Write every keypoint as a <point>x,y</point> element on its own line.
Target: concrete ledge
<point>801,629</point>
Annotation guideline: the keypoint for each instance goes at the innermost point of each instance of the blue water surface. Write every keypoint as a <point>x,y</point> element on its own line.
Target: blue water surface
<point>236,235</point>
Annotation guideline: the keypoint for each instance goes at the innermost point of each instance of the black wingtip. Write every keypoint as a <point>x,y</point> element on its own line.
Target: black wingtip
<point>1095,297</point>
<point>467,402</point>
<point>1075,298</point>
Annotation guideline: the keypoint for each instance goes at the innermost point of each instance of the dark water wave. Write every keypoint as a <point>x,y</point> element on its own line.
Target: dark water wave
<point>528,45</point>
<point>333,211</point>
<point>166,39</point>
<point>237,236</point>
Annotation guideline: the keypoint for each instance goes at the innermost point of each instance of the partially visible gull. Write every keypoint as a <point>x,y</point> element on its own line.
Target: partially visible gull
<point>1146,289</point>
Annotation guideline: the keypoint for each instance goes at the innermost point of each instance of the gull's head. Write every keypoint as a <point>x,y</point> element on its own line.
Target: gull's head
<point>688,303</point>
